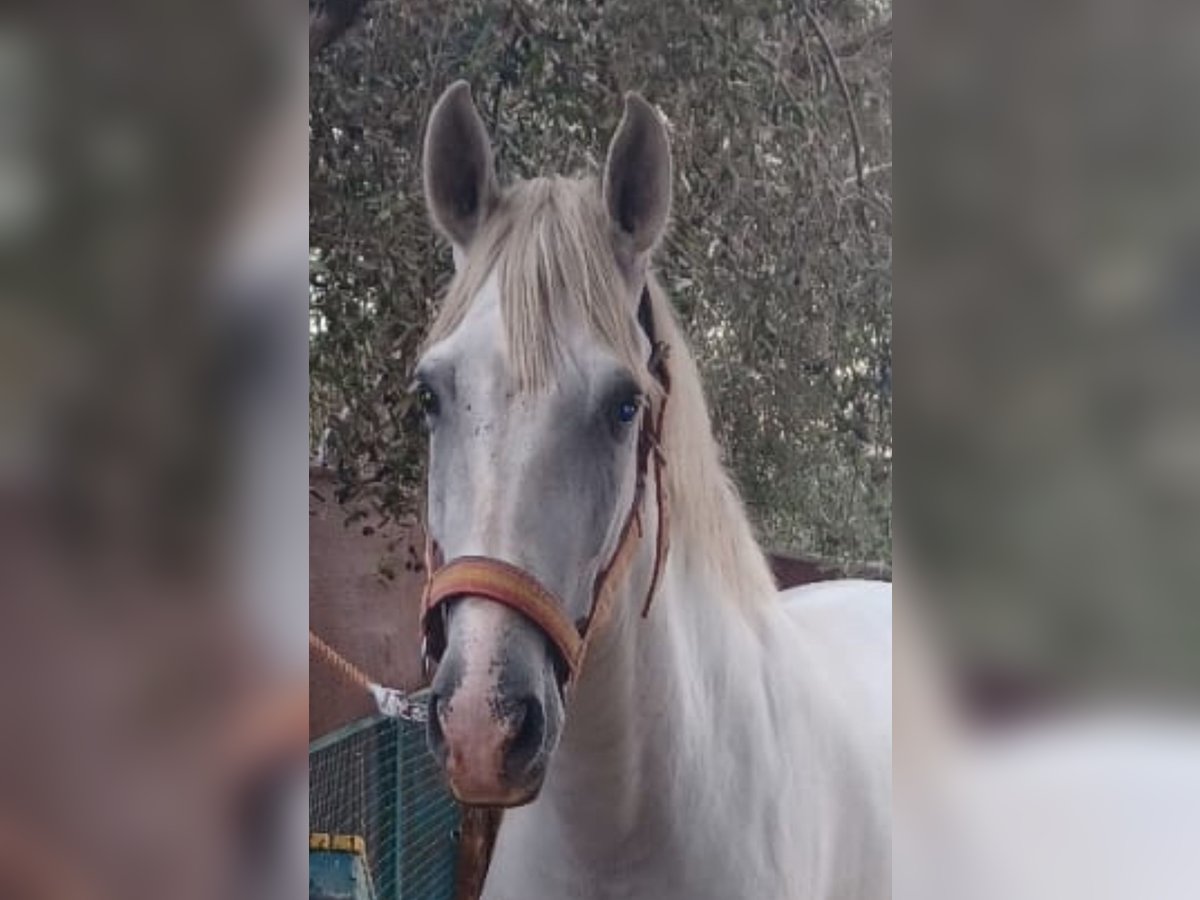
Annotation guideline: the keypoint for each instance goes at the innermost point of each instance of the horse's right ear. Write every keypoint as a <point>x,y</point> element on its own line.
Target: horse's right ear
<point>460,179</point>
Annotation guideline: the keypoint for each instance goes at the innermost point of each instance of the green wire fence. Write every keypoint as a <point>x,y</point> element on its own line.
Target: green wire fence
<point>376,778</point>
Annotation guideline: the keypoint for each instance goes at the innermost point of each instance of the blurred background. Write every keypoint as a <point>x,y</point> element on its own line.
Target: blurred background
<point>1048,504</point>
<point>1049,333</point>
<point>153,419</point>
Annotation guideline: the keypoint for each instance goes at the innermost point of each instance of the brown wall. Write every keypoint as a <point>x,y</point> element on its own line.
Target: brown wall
<point>365,583</point>
<point>792,571</point>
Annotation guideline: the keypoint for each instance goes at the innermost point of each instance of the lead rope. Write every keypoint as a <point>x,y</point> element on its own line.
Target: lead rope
<point>389,701</point>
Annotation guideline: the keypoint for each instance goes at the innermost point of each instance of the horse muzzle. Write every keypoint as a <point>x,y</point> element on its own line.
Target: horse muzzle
<point>495,707</point>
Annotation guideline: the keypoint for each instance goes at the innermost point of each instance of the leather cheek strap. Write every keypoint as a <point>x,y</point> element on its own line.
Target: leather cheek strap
<point>503,583</point>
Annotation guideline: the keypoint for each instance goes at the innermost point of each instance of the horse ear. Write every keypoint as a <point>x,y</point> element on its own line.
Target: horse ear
<point>637,180</point>
<point>460,180</point>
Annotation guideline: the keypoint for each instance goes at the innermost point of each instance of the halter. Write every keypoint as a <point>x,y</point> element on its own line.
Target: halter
<point>511,586</point>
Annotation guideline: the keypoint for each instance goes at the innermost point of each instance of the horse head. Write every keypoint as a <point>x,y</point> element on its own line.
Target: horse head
<point>538,386</point>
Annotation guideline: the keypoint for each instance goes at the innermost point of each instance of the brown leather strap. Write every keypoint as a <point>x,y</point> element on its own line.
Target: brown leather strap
<point>504,583</point>
<point>662,537</point>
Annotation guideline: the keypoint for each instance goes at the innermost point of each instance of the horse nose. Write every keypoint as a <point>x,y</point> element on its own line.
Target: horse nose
<point>490,747</point>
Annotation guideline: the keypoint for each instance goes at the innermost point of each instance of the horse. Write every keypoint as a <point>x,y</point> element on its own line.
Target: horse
<point>611,658</point>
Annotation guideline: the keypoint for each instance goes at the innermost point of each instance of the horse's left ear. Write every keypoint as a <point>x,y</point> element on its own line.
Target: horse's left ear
<point>637,181</point>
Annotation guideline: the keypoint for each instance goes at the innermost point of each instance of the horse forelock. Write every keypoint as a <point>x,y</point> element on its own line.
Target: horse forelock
<point>548,243</point>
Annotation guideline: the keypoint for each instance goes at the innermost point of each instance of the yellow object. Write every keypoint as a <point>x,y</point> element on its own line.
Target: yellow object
<point>345,843</point>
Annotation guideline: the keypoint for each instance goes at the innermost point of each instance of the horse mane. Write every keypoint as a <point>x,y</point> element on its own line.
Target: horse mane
<point>549,242</point>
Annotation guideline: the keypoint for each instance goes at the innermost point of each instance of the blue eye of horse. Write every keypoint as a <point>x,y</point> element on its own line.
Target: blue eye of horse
<point>627,411</point>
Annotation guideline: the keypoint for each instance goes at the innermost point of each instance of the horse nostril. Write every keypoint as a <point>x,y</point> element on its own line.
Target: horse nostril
<point>433,727</point>
<point>527,723</point>
<point>517,714</point>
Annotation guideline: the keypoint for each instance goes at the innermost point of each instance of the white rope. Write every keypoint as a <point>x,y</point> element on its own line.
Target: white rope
<point>399,705</point>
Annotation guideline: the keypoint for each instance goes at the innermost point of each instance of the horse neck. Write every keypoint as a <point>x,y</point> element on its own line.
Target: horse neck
<point>652,693</point>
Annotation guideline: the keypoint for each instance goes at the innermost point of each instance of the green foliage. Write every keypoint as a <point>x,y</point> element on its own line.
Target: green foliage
<point>778,263</point>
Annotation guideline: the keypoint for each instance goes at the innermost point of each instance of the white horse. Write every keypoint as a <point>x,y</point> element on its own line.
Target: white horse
<point>734,742</point>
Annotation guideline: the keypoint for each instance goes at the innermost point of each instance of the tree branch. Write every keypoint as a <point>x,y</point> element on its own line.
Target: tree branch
<point>328,20</point>
<point>853,46</point>
<point>860,177</point>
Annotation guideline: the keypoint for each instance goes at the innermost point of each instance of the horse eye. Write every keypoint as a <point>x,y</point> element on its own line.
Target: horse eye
<point>427,400</point>
<point>627,410</point>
